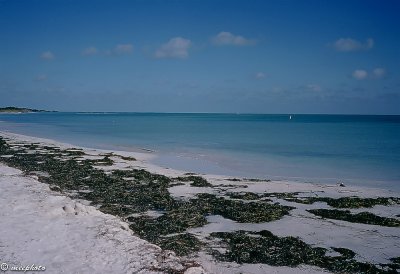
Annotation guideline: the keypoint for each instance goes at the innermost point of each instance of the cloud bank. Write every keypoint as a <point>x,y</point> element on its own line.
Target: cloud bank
<point>349,44</point>
<point>360,74</point>
<point>225,38</point>
<point>177,47</point>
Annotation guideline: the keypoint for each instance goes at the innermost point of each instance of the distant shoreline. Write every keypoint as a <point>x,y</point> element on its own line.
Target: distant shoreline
<point>29,110</point>
<point>18,110</point>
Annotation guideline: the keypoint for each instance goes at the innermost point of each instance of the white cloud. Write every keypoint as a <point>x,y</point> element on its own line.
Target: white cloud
<point>260,75</point>
<point>379,72</point>
<point>42,77</point>
<point>90,51</point>
<point>349,44</point>
<point>314,87</point>
<point>123,49</point>
<point>47,55</point>
<point>177,47</point>
<point>120,49</point>
<point>360,74</point>
<point>227,38</point>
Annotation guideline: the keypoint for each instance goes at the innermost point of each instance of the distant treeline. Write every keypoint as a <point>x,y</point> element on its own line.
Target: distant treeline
<point>21,110</point>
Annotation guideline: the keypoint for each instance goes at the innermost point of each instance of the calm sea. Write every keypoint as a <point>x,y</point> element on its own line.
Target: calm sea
<point>362,150</point>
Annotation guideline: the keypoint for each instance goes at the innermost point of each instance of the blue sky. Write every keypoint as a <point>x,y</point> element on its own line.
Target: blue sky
<point>201,56</point>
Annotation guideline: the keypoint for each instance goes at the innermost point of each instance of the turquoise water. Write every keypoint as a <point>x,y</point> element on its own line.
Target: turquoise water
<point>363,150</point>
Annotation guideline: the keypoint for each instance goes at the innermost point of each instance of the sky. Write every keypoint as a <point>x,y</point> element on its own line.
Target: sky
<point>314,56</point>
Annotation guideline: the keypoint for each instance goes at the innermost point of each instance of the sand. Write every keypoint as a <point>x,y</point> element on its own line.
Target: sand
<point>42,227</point>
<point>67,236</point>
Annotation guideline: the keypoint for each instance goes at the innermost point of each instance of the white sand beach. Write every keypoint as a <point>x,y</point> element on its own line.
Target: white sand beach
<point>46,228</point>
<point>42,227</point>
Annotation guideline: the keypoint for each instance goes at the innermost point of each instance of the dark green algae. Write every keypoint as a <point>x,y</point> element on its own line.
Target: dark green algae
<point>342,202</point>
<point>135,191</point>
<point>130,193</point>
<point>196,181</point>
<point>266,248</point>
<point>347,202</point>
<point>362,217</point>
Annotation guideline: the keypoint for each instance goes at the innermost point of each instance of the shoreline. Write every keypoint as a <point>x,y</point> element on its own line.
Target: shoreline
<point>190,163</point>
<point>146,157</point>
<point>315,231</point>
<point>67,236</point>
<point>281,154</point>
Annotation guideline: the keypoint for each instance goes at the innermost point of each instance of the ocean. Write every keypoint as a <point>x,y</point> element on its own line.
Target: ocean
<point>353,149</point>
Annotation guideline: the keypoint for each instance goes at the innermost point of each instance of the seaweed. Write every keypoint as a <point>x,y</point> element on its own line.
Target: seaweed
<point>395,260</point>
<point>345,252</point>
<point>233,179</point>
<point>346,202</point>
<point>264,247</point>
<point>281,195</point>
<point>184,216</point>
<point>114,193</point>
<point>73,152</point>
<point>394,265</point>
<point>363,217</point>
<point>127,158</point>
<point>256,180</point>
<point>243,212</point>
<point>244,195</point>
<point>182,244</point>
<point>197,181</point>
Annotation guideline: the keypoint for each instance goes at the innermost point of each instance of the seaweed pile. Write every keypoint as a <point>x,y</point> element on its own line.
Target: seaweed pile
<point>362,217</point>
<point>264,247</point>
<point>133,193</point>
<point>347,202</point>
<point>342,202</point>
